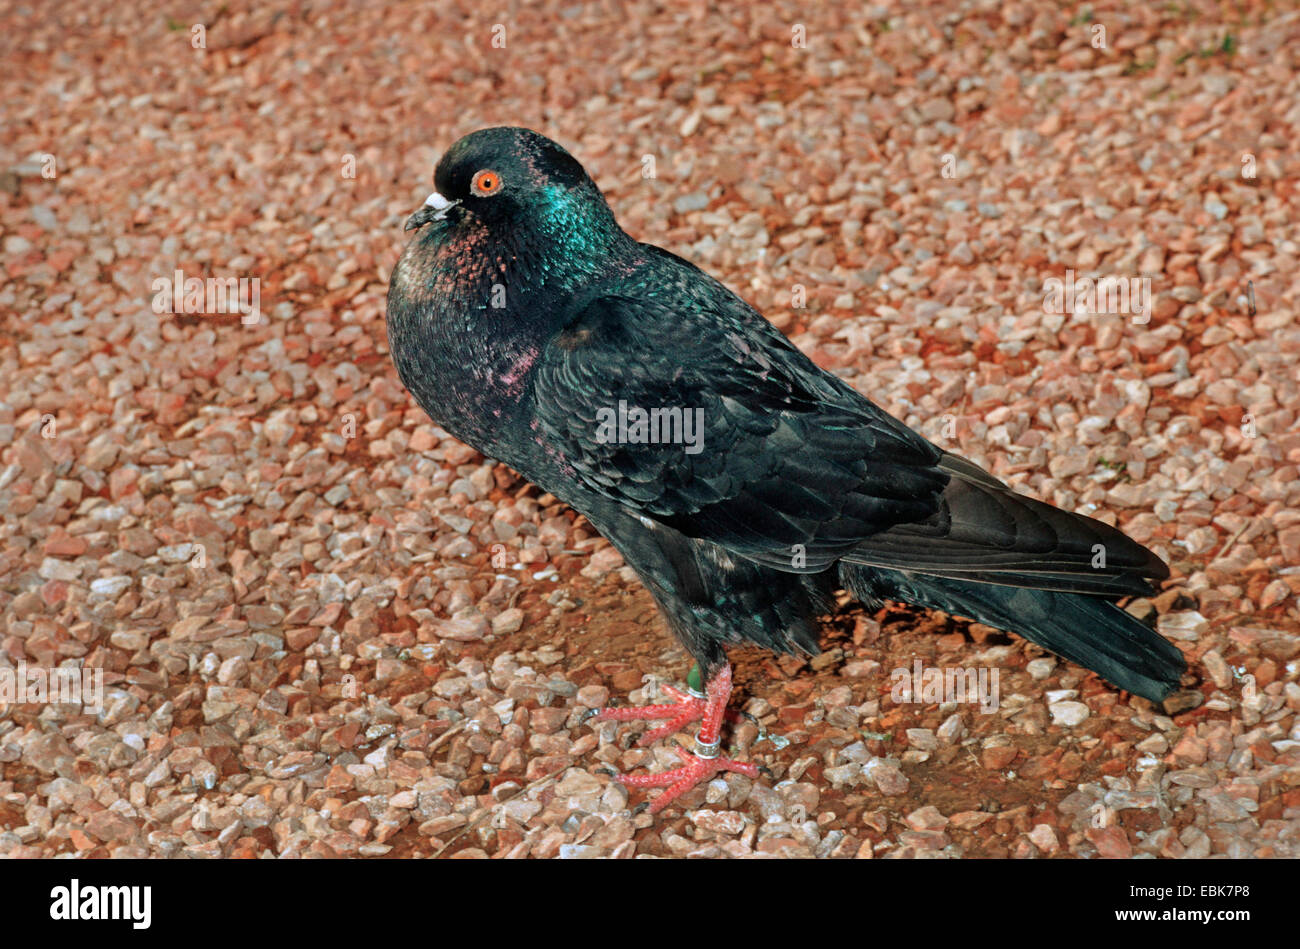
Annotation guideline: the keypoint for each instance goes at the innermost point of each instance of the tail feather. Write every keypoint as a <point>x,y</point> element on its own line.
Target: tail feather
<point>1087,630</point>
<point>984,532</point>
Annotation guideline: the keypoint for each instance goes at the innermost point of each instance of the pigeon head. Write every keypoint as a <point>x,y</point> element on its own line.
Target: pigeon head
<point>515,228</point>
<point>510,181</point>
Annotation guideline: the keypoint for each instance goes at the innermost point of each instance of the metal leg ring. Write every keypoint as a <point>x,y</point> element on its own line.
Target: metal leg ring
<point>707,749</point>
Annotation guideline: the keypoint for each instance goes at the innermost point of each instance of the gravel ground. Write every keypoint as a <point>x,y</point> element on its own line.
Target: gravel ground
<point>327,628</point>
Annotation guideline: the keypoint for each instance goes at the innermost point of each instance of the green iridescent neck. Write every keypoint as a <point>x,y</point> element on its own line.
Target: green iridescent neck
<point>577,223</point>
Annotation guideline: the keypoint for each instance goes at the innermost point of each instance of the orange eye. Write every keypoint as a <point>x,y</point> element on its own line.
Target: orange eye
<point>486,182</point>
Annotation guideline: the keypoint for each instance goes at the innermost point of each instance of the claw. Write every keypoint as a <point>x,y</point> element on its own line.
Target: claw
<point>694,771</point>
<point>685,707</point>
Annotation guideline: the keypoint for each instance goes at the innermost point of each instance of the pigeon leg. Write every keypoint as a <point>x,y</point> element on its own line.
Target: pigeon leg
<point>686,706</point>
<point>698,766</point>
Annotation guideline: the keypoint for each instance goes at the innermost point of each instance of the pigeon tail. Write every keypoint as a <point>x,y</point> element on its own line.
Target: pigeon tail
<point>1087,630</point>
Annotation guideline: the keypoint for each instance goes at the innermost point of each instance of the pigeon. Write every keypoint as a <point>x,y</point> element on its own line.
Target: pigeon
<point>743,484</point>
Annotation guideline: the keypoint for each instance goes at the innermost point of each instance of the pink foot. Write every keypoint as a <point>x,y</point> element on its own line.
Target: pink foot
<point>684,709</point>
<point>696,771</point>
<point>699,766</point>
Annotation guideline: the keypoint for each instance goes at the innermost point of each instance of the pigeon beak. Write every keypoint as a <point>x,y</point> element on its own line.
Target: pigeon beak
<point>435,209</point>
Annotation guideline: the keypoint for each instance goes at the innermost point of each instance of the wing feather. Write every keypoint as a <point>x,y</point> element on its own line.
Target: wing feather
<point>794,469</point>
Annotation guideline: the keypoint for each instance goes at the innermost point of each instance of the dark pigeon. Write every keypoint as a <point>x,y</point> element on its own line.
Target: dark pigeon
<point>742,483</point>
